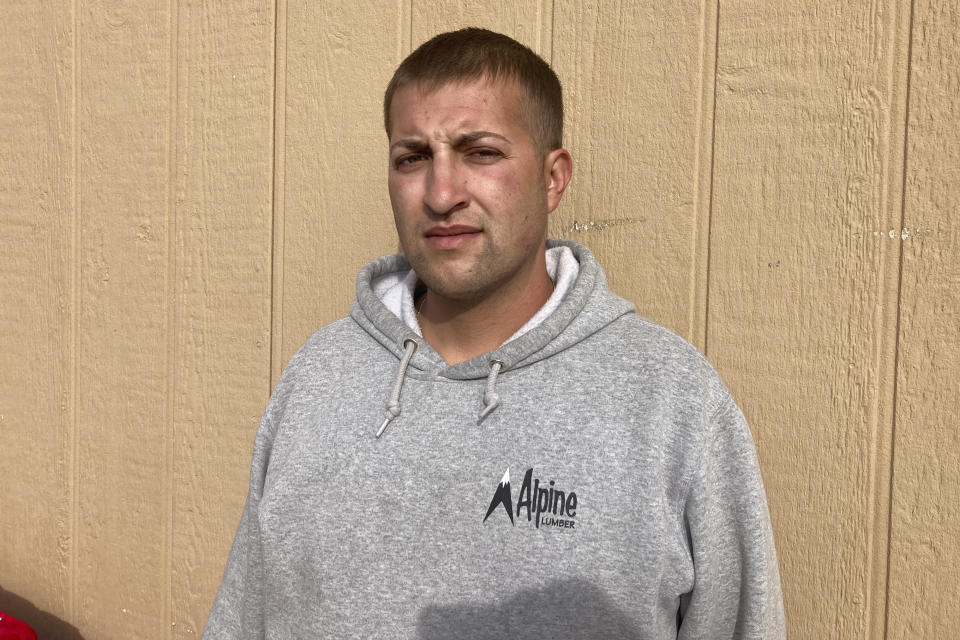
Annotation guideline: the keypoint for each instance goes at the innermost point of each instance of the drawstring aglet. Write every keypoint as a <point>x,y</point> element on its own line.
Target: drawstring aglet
<point>491,399</point>
<point>393,405</point>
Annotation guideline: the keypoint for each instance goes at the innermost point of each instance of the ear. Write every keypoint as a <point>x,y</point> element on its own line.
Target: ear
<point>558,169</point>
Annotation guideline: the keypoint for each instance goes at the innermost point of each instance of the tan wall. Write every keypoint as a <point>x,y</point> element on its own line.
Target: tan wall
<point>187,190</point>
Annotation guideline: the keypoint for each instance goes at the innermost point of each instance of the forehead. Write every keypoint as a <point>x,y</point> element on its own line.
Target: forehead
<point>495,104</point>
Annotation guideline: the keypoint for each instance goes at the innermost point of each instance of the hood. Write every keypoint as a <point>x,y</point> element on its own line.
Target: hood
<point>588,307</point>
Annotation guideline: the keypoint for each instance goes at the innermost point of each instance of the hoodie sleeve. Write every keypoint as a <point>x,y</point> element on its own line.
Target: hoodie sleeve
<point>238,609</point>
<point>736,590</point>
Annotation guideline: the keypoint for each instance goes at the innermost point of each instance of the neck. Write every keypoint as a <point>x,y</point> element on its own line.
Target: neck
<point>460,330</point>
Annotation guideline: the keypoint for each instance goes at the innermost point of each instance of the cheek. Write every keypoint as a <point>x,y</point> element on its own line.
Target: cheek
<point>502,186</point>
<point>400,194</point>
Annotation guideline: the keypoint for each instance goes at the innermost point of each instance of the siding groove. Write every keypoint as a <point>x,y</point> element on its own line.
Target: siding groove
<point>75,301</point>
<point>888,320</point>
<point>279,183</point>
<point>171,300</point>
<point>699,309</point>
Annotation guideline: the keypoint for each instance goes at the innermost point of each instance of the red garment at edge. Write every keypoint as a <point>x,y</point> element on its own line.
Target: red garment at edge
<point>13,629</point>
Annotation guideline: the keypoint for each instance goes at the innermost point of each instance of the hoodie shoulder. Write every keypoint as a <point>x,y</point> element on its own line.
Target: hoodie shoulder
<point>334,346</point>
<point>659,353</point>
<point>328,336</point>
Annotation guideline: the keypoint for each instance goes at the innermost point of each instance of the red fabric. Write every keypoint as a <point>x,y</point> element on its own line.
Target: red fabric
<point>13,629</point>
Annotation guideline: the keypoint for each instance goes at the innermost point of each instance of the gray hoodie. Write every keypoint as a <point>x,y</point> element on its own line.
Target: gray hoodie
<point>609,490</point>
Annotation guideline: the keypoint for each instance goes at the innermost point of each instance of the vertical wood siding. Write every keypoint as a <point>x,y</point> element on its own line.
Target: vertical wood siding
<point>339,57</point>
<point>803,112</point>
<point>122,426</point>
<point>219,285</point>
<point>37,281</point>
<point>188,188</point>
<point>924,554</point>
<point>635,146</point>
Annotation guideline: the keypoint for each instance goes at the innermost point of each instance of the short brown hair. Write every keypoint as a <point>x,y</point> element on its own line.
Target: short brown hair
<point>472,53</point>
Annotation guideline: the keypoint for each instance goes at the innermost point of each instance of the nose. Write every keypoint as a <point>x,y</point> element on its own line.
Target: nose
<point>445,190</point>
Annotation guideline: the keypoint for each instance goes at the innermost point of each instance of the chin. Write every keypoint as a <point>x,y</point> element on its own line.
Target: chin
<point>464,291</point>
<point>451,290</point>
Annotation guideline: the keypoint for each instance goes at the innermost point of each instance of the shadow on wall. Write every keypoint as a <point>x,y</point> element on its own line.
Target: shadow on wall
<point>572,608</point>
<point>47,625</point>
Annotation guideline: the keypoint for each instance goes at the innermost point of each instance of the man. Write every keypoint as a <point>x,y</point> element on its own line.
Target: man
<point>493,445</point>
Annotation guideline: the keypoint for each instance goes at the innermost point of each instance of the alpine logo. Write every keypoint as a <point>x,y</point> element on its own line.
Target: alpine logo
<point>543,503</point>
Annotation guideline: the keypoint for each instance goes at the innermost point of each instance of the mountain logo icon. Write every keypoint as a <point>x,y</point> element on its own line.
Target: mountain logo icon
<point>502,496</point>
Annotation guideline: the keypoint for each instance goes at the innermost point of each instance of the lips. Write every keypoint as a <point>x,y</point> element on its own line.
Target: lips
<point>453,230</point>
<point>451,237</point>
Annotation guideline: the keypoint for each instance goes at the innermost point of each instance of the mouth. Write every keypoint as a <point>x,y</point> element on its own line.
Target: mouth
<point>451,237</point>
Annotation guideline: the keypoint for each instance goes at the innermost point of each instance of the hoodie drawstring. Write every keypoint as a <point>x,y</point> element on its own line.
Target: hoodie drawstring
<point>491,399</point>
<point>393,405</point>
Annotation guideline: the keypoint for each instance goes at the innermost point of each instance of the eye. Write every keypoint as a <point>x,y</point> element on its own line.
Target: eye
<point>409,160</point>
<point>484,154</point>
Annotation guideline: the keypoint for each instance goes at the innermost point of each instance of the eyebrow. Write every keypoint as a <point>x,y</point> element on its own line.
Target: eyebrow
<point>474,136</point>
<point>459,141</point>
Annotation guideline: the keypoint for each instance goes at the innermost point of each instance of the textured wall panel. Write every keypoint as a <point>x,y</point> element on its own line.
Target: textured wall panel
<point>924,556</point>
<point>220,304</point>
<point>36,310</point>
<point>797,277</point>
<point>336,212</point>
<point>123,448</point>
<point>146,276</point>
<point>527,21</point>
<point>632,80</point>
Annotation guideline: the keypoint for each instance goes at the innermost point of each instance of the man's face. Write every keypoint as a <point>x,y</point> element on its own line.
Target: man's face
<point>468,187</point>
